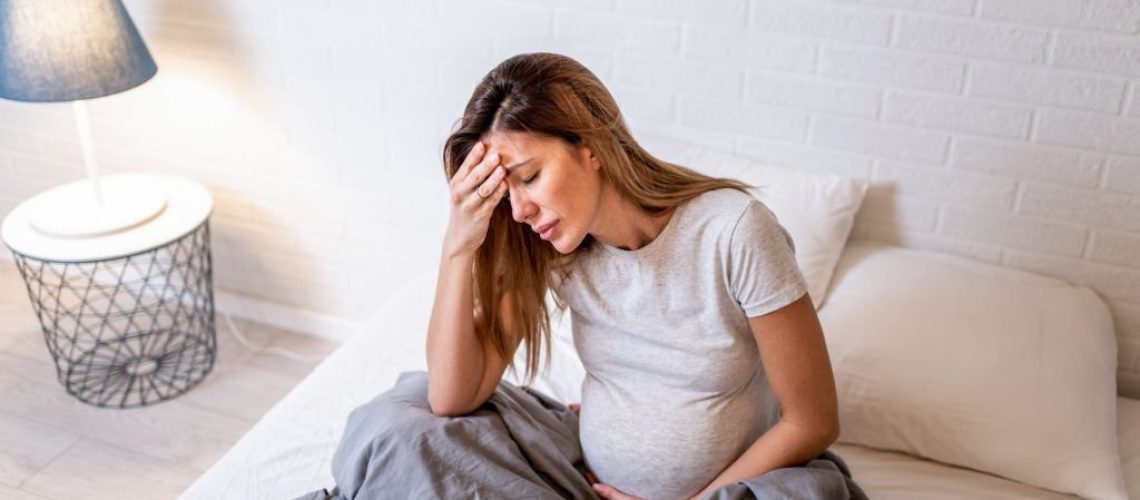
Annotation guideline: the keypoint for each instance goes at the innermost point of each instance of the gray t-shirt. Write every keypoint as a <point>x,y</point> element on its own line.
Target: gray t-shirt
<point>674,389</point>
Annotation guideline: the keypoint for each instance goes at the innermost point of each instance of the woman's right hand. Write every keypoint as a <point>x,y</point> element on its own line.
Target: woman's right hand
<point>577,409</point>
<point>476,189</point>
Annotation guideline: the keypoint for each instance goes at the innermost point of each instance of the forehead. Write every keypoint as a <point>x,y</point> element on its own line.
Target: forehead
<point>520,144</point>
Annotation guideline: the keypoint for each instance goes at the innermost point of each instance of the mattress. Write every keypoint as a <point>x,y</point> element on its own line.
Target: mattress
<point>289,451</point>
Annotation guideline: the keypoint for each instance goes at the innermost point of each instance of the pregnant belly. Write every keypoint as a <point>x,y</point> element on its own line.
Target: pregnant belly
<point>661,450</point>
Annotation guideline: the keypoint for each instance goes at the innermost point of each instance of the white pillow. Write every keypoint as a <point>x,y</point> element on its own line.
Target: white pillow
<point>975,365</point>
<point>816,209</point>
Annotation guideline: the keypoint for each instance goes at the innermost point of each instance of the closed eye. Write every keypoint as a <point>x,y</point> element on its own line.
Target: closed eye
<point>529,179</point>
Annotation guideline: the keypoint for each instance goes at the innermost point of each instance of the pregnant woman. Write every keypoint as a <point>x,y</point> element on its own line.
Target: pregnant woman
<point>706,368</point>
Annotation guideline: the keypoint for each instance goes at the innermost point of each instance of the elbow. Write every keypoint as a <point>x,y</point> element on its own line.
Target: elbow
<point>816,435</point>
<point>830,425</point>
<point>828,428</point>
<point>833,434</point>
<point>821,439</point>
<point>827,432</point>
<point>444,404</point>
<point>446,407</point>
<point>439,409</point>
<point>446,411</point>
<point>821,434</point>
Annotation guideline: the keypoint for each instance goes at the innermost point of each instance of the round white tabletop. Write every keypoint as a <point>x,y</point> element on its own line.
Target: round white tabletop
<point>188,204</point>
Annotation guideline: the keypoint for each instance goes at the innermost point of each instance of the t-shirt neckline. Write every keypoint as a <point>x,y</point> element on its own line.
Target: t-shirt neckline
<point>655,243</point>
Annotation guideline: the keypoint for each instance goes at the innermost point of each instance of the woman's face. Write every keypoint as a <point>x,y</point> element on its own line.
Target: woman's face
<point>549,182</point>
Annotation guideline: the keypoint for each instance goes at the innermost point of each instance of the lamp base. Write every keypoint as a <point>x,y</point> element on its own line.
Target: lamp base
<point>76,210</point>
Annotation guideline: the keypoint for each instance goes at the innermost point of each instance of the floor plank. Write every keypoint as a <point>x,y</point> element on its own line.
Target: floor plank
<point>9,493</point>
<point>54,447</point>
<point>97,471</point>
<point>246,392</point>
<point>28,447</point>
<point>171,429</point>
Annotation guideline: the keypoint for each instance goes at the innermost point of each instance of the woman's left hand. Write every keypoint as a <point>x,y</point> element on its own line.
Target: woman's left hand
<point>610,493</point>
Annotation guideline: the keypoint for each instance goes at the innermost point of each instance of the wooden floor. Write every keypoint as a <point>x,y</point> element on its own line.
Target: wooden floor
<point>54,447</point>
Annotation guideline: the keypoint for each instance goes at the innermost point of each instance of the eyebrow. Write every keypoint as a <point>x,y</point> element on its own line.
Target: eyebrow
<point>512,168</point>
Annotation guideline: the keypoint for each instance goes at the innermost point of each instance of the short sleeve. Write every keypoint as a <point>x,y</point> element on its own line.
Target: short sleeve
<point>763,274</point>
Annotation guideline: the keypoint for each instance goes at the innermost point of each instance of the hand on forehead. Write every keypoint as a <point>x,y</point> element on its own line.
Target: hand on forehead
<point>516,148</point>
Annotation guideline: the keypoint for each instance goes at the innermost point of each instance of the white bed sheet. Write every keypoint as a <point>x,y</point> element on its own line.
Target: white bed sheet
<point>288,452</point>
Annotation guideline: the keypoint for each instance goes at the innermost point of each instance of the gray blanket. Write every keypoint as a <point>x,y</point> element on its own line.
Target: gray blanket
<point>519,444</point>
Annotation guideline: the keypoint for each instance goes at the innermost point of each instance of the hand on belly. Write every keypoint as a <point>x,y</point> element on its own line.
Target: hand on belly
<point>610,493</point>
<point>577,409</point>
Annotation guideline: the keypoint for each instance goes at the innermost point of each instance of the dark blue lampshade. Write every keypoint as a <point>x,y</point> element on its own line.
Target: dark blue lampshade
<point>64,50</point>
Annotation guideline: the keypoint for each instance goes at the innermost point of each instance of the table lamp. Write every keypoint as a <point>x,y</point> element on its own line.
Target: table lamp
<point>73,50</point>
<point>118,268</point>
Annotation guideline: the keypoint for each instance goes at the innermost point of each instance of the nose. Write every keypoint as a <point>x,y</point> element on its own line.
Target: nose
<point>521,208</point>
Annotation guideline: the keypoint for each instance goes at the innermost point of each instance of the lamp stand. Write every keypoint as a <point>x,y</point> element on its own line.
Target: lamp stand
<point>94,206</point>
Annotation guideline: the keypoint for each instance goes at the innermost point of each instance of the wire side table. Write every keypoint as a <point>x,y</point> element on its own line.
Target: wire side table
<point>126,326</point>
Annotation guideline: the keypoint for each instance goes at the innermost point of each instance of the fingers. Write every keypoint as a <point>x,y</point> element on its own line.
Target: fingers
<point>479,173</point>
<point>608,492</point>
<point>485,204</point>
<point>479,179</point>
<point>493,183</point>
<point>471,160</point>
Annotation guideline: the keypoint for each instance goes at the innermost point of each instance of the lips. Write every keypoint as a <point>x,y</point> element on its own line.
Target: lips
<point>541,230</point>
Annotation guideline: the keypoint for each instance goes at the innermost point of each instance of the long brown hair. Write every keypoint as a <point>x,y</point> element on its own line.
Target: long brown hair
<point>555,96</point>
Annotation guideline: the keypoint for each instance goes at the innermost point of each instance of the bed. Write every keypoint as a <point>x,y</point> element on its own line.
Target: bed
<point>288,452</point>
<point>956,378</point>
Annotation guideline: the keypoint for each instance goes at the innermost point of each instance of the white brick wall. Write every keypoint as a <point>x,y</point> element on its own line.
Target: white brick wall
<point>1047,86</point>
<point>892,68</point>
<point>1027,161</point>
<point>1004,130</point>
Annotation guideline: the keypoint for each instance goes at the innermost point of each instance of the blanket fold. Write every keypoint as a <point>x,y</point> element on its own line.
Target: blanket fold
<point>521,443</point>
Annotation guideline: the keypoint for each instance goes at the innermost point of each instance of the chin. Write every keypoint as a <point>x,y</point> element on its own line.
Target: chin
<point>560,248</point>
<point>565,248</point>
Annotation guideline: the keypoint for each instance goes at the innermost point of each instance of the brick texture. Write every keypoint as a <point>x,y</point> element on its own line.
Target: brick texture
<point>1004,130</point>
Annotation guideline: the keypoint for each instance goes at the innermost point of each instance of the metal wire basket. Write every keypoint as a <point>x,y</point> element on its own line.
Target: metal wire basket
<point>130,331</point>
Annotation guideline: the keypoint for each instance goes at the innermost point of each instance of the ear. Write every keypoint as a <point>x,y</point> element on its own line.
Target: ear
<point>588,156</point>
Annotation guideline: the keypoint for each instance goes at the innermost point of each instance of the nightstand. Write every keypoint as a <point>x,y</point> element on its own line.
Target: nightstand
<point>127,313</point>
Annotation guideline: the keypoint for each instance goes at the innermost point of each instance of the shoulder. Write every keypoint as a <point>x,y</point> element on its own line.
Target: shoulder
<point>722,198</point>
<point>732,211</point>
<point>757,224</point>
<point>725,205</point>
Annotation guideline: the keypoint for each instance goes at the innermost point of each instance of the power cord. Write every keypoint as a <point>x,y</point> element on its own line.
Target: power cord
<point>279,351</point>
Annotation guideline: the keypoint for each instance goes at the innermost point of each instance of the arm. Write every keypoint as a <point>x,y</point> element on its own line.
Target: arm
<point>462,372</point>
<point>454,366</point>
<point>795,359</point>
